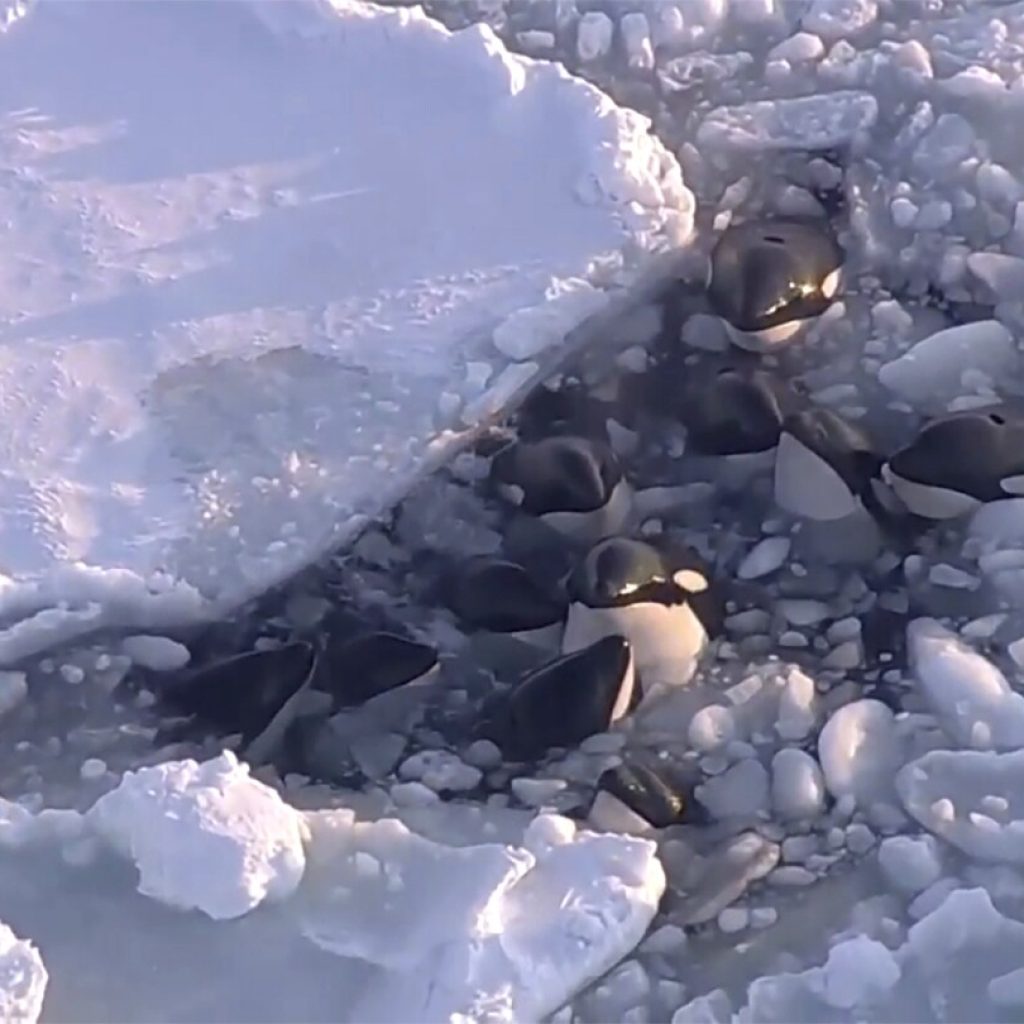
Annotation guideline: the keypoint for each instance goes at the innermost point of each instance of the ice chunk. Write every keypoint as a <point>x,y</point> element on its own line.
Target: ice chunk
<point>1003,275</point>
<point>860,752</point>
<point>798,787</point>
<point>976,83</point>
<point>701,69</point>
<point>910,863</point>
<point>1008,989</point>
<point>441,771</point>
<point>835,19</point>
<point>803,46</point>
<point>519,930</point>
<point>999,522</point>
<point>975,704</point>
<point>594,36</point>
<point>23,979</point>
<point>204,836</point>
<point>740,791</point>
<point>727,876</point>
<point>949,793</point>
<point>797,706</point>
<point>931,371</point>
<point>764,558</point>
<point>823,121</point>
<point>636,40</point>
<point>13,690</point>
<point>530,331</point>
<point>711,727</point>
<point>949,959</point>
<point>949,141</point>
<point>157,653</point>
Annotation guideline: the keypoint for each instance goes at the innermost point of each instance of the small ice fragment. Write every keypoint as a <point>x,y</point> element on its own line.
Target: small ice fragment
<point>93,768</point>
<point>903,211</point>
<point>945,575</point>
<point>836,19</point>
<point>669,938</point>
<point>803,611</point>
<point>413,794</point>
<point>963,689</point>
<point>1002,274</point>
<point>711,727</point>
<point>594,36</point>
<point>73,674</point>
<point>733,919</point>
<point>441,771</point>
<point>797,706</point>
<point>910,863</point>
<point>636,40</point>
<point>157,653</point>
<point>798,48</point>
<point>793,638</point>
<point>798,787</point>
<point>859,751</point>
<point>13,690</point>
<point>763,917</point>
<point>739,792</point>
<point>858,971</point>
<point>537,792</point>
<point>817,122</point>
<point>792,876</point>
<point>844,656</point>
<point>764,558</point>
<point>934,215</point>
<point>23,979</point>
<point>1007,989</point>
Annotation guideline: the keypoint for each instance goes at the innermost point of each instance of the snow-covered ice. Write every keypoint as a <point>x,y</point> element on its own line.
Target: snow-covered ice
<point>860,752</point>
<point>23,979</point>
<point>231,375</point>
<point>418,929</point>
<point>205,836</point>
<point>931,372</point>
<point>807,122</point>
<point>972,698</point>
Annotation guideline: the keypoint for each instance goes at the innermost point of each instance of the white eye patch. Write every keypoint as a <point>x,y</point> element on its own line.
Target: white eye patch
<point>690,580</point>
<point>1013,484</point>
<point>831,283</point>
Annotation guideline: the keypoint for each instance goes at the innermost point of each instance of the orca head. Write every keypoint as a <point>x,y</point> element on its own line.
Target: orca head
<point>736,411</point>
<point>768,274</point>
<point>653,794</point>
<point>620,571</point>
<point>244,693</point>
<point>502,597</point>
<point>557,474</point>
<point>960,461</point>
<point>374,663</point>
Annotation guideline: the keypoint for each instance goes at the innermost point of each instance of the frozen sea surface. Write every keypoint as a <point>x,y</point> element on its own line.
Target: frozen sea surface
<point>184,306</point>
<point>259,261</point>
